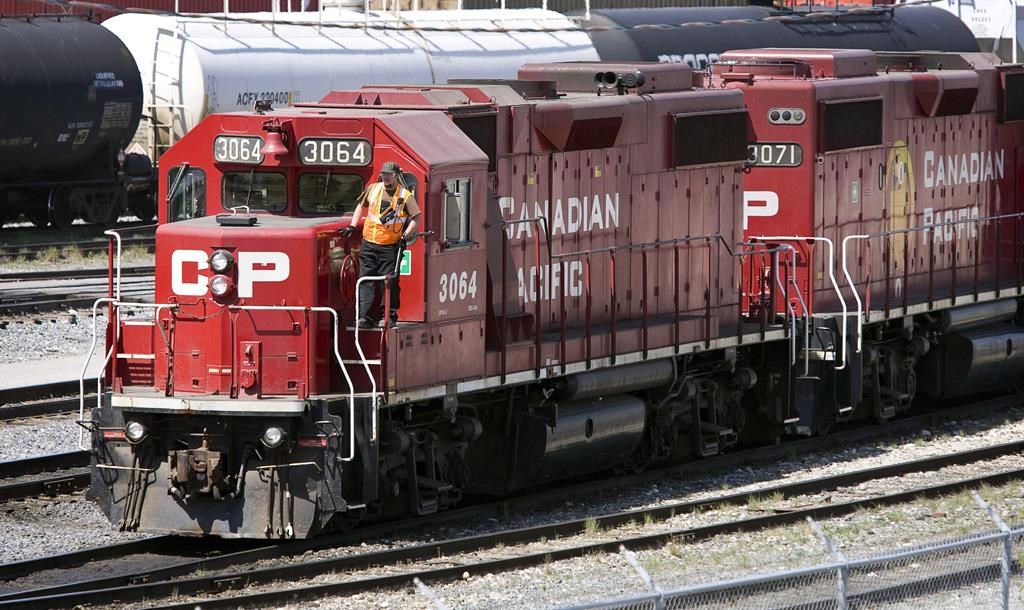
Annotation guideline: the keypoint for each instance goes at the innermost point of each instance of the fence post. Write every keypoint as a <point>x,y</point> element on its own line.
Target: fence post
<point>659,602</point>
<point>844,570</point>
<point>425,591</point>
<point>1006,564</point>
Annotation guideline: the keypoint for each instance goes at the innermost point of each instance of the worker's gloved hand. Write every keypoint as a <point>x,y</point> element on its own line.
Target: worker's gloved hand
<point>347,232</point>
<point>403,241</point>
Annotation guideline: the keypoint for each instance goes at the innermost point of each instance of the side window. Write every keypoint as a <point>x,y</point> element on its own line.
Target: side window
<point>329,194</point>
<point>186,194</point>
<point>456,211</point>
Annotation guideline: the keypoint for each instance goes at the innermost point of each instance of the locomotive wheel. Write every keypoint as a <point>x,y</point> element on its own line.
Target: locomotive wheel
<point>62,212</point>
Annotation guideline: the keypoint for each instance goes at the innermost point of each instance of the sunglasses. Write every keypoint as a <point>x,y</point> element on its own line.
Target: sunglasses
<point>387,174</point>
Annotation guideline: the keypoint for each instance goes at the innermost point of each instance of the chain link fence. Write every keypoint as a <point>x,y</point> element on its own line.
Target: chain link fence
<point>975,572</point>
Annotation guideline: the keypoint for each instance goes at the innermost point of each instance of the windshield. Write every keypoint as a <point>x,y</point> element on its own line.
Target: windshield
<point>257,190</point>
<point>327,193</point>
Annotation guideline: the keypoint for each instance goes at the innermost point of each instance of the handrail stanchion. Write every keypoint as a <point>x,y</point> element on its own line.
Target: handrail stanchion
<point>906,270</point>
<point>537,294</point>
<point>931,271</point>
<point>586,282</point>
<point>612,303</point>
<point>1017,252</point>
<point>999,255</point>
<point>853,288</point>
<point>562,314</point>
<point>675,297</point>
<point>977,260</point>
<point>887,265</point>
<point>643,303</point>
<point>503,326</point>
<point>707,298</point>
<point>952,262</point>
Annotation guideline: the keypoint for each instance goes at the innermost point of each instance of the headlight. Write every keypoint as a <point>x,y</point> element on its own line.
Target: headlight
<point>273,436</point>
<point>220,285</point>
<point>221,260</point>
<point>135,431</point>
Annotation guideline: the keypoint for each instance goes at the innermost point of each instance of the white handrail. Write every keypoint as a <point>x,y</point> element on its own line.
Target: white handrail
<point>362,355</point>
<point>106,359</point>
<point>831,276</point>
<point>117,262</point>
<point>335,328</point>
<point>856,295</point>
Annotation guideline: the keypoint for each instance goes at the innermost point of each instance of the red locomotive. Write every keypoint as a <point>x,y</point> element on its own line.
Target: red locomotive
<point>620,264</point>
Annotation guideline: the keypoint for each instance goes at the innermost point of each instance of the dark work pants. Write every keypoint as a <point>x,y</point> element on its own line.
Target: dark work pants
<point>375,259</point>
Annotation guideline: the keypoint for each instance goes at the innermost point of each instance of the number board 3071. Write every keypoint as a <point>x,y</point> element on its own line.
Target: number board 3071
<point>335,151</point>
<point>775,154</point>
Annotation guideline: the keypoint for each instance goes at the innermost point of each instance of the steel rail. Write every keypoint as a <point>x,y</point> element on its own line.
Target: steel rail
<point>54,406</point>
<point>38,392</point>
<point>82,246</point>
<point>46,463</point>
<point>63,274</point>
<point>153,584</point>
<point>486,566</point>
<point>53,302</point>
<point>51,486</point>
<point>561,490</point>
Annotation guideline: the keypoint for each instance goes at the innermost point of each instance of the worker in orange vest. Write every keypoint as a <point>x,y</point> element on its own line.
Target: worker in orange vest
<point>391,214</point>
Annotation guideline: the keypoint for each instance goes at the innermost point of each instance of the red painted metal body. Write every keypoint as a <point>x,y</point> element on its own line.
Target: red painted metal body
<point>928,147</point>
<point>616,267</point>
<point>639,256</point>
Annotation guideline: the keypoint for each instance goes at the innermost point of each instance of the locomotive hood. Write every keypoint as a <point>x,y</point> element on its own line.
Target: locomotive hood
<point>269,262</point>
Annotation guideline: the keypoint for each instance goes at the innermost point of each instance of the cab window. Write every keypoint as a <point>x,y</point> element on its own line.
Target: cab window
<point>331,194</point>
<point>186,193</point>
<point>456,211</point>
<point>264,191</point>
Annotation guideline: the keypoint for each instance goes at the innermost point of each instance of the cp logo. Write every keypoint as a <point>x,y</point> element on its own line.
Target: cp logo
<point>252,267</point>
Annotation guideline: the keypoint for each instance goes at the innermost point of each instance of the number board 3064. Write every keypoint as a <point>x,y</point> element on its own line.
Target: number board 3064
<point>335,151</point>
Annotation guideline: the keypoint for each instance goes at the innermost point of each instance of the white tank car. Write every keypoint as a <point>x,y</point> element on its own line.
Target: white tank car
<point>194,66</point>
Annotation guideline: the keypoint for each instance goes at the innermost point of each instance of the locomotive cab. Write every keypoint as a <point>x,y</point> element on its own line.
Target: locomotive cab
<point>253,334</point>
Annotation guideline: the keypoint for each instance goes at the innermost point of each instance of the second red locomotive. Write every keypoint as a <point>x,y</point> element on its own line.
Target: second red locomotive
<point>620,264</point>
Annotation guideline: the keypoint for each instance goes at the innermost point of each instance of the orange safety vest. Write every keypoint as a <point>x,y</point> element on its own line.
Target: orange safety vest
<point>387,232</point>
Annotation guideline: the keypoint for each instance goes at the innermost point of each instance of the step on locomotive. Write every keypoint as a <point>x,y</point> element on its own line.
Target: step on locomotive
<point>621,265</point>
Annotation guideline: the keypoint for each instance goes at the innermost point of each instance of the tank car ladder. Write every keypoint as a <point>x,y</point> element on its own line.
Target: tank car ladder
<point>161,135</point>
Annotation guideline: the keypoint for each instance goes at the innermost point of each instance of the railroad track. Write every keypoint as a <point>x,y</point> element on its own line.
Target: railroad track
<point>46,296</point>
<point>13,396</point>
<point>67,274</point>
<point>20,479</point>
<point>88,244</point>
<point>155,584</point>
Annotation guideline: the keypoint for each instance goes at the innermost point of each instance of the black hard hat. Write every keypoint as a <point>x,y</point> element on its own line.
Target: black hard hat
<point>390,167</point>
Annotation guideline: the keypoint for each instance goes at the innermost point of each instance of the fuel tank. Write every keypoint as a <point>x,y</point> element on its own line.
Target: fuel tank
<point>72,97</point>
<point>591,435</point>
<point>974,360</point>
<point>621,35</point>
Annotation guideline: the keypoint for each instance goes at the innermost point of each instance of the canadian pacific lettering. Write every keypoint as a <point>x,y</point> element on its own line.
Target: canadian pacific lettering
<point>963,168</point>
<point>950,223</point>
<point>576,214</point>
<point>551,281</point>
